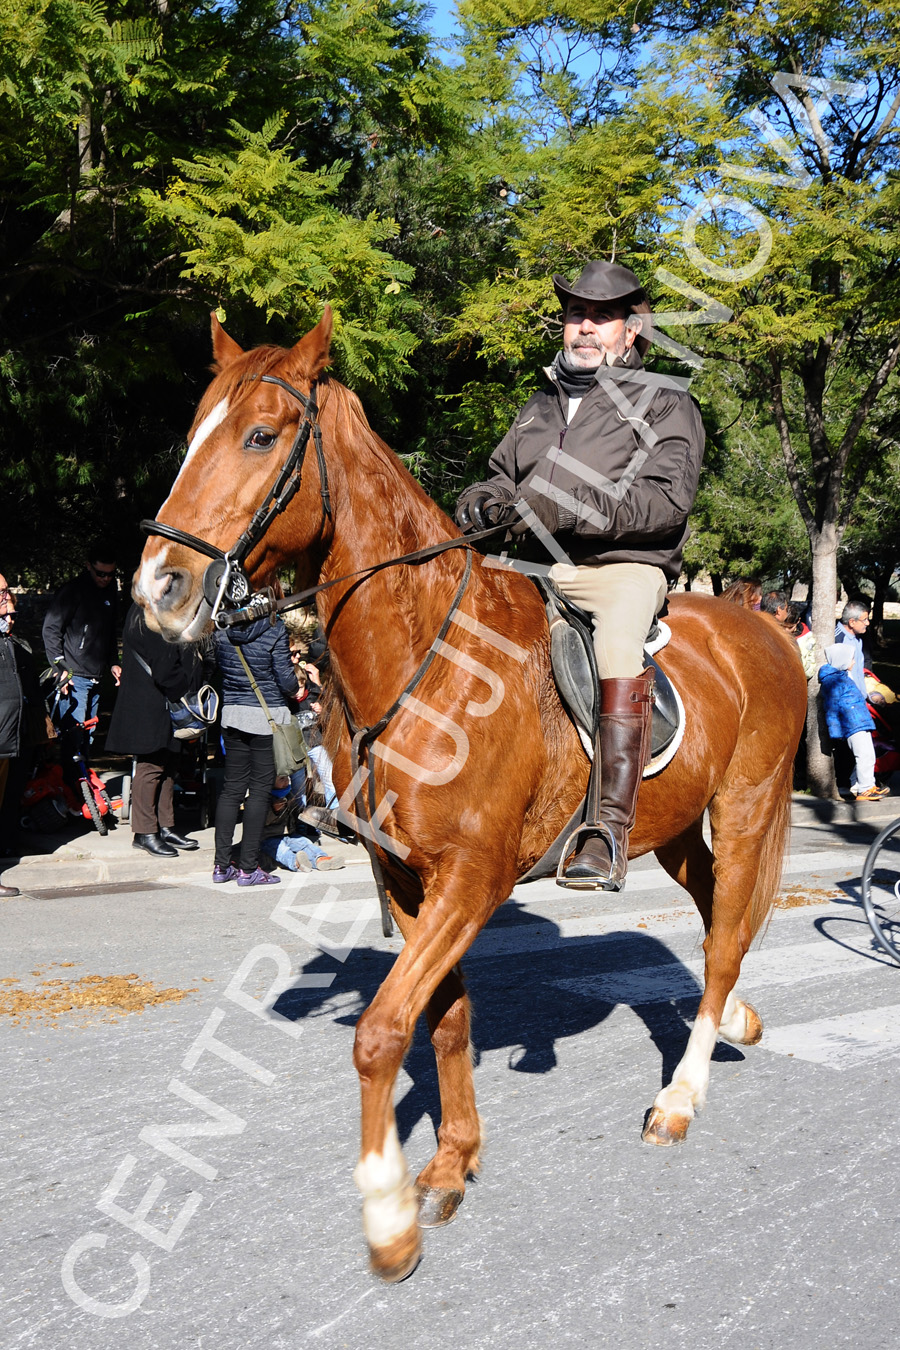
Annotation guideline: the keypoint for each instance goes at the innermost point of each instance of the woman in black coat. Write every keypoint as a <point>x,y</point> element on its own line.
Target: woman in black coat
<point>249,756</point>
<point>141,726</point>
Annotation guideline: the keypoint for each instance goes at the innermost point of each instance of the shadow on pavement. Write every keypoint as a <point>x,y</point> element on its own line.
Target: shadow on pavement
<point>517,1003</point>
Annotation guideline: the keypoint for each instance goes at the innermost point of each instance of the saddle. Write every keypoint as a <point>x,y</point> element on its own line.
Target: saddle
<point>575,672</point>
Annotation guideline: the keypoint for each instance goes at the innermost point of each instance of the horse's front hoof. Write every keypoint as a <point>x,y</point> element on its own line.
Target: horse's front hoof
<point>743,1027</point>
<point>665,1130</point>
<point>393,1261</point>
<point>437,1205</point>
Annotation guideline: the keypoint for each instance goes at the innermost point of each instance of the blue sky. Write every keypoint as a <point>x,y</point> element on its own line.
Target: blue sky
<point>443,18</point>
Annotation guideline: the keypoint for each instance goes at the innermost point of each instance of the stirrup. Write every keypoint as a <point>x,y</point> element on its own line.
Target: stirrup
<point>589,883</point>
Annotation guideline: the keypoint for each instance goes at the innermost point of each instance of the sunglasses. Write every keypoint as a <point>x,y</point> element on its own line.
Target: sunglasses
<point>102,572</point>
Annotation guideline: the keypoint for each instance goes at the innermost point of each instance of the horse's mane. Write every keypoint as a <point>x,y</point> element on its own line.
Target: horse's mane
<point>356,425</point>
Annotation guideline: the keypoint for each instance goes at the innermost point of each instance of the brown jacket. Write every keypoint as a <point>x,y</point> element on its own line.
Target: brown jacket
<point>624,471</point>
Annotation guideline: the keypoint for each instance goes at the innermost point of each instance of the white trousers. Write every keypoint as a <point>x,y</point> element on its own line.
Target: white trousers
<point>863,748</point>
<point>624,599</point>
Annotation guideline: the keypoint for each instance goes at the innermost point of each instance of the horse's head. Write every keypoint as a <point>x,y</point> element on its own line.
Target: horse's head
<point>244,433</point>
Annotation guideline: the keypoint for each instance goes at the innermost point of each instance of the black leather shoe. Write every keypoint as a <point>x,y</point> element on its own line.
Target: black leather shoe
<point>153,843</point>
<point>178,840</point>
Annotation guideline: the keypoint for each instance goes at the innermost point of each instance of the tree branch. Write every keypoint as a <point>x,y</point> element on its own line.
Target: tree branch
<point>879,134</point>
<point>867,402</point>
<point>791,462</point>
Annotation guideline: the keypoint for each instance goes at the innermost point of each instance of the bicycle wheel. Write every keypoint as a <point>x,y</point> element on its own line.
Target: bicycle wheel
<point>881,888</point>
<point>96,816</point>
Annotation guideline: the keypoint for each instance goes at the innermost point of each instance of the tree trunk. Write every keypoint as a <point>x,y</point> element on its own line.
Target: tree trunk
<point>819,763</point>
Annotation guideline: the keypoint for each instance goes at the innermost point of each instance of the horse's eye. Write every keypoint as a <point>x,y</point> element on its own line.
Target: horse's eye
<point>261,438</point>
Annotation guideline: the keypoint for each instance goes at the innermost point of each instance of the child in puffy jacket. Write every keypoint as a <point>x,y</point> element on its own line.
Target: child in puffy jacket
<point>849,719</point>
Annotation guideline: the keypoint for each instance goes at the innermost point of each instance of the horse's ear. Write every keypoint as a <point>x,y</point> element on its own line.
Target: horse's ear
<point>225,349</point>
<point>311,354</point>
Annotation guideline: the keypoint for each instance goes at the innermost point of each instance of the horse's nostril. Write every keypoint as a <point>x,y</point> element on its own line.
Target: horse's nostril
<point>172,585</point>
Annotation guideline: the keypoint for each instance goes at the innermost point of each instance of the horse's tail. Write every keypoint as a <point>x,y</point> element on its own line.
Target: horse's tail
<point>772,850</point>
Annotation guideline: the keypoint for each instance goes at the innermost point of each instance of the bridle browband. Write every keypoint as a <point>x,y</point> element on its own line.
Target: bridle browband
<point>225,581</point>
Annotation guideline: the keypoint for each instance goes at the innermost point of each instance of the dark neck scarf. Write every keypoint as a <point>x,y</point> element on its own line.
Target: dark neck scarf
<point>574,381</point>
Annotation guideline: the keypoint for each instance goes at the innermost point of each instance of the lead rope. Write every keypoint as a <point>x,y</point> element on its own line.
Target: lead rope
<point>363,737</point>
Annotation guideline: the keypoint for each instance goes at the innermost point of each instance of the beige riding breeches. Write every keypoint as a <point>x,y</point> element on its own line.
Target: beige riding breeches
<point>624,599</point>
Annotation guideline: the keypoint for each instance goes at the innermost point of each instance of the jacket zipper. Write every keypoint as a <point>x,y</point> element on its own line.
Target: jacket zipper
<point>553,462</point>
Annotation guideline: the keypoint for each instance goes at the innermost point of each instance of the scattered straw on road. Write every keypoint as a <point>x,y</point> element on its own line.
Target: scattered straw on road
<point>112,995</point>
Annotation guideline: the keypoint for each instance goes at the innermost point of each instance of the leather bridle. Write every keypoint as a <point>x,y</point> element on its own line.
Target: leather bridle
<point>225,582</point>
<point>226,587</point>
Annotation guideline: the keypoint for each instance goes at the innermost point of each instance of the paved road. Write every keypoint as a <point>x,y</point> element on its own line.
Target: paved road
<point>774,1226</point>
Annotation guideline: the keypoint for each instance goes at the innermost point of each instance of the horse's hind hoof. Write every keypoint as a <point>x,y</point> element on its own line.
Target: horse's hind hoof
<point>437,1205</point>
<point>665,1130</point>
<point>393,1261</point>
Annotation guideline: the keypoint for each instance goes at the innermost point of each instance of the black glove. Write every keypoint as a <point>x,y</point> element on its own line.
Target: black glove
<point>553,516</point>
<point>544,508</point>
<point>482,505</point>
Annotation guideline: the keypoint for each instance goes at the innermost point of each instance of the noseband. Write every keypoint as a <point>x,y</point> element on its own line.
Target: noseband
<point>225,582</point>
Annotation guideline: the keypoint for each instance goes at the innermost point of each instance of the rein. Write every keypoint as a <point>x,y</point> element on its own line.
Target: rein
<point>226,582</point>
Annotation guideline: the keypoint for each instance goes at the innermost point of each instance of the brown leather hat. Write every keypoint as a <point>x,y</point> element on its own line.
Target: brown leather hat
<point>601,281</point>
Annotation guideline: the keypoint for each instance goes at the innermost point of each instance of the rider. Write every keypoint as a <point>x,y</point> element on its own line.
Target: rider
<point>607,458</point>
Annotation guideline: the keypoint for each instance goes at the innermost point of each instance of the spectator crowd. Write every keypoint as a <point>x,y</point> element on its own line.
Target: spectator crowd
<point>48,723</point>
<point>271,680</point>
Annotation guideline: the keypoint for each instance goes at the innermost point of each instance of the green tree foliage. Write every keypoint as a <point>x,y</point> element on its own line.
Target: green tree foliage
<point>255,225</point>
<point>123,123</point>
<point>750,167</point>
<point>162,157</point>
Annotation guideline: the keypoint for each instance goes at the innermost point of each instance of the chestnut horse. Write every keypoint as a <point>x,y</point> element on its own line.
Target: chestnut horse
<point>481,768</point>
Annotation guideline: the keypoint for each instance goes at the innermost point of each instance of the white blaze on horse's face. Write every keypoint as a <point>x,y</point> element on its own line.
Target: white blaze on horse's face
<point>205,429</point>
<point>149,585</point>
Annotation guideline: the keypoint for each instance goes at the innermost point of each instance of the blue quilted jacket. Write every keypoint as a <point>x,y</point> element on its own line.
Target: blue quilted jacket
<point>845,707</point>
<point>267,653</point>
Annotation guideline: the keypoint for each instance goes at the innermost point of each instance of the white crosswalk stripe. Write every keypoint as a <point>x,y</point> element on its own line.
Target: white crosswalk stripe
<point>839,1042</point>
<point>846,861</point>
<point>776,966</point>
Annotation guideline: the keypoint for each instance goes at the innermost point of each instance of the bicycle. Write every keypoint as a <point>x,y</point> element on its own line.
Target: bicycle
<point>79,778</point>
<point>881,888</point>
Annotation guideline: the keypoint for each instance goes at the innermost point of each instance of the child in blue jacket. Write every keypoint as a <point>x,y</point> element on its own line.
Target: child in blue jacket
<point>849,719</point>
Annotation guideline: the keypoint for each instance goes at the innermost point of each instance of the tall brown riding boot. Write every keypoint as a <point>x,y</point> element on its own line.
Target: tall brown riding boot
<point>621,752</point>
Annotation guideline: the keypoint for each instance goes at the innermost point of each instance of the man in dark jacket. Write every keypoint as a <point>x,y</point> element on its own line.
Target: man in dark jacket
<point>153,671</point>
<point>79,636</point>
<point>19,692</point>
<point>603,466</point>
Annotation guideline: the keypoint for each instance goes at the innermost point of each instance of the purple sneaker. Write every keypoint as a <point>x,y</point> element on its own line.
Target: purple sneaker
<point>224,873</point>
<point>257,878</point>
